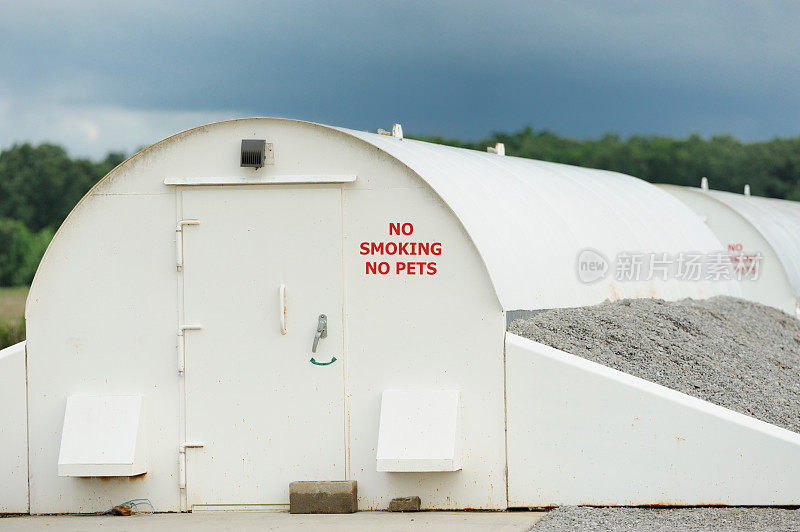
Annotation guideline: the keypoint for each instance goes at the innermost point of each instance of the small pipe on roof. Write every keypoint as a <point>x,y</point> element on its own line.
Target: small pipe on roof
<point>747,190</point>
<point>397,131</point>
<point>499,149</point>
<point>704,183</point>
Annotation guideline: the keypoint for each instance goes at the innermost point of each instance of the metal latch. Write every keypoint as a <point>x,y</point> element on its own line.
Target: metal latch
<point>322,331</point>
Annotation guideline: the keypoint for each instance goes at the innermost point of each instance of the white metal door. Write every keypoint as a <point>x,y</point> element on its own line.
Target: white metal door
<point>266,414</point>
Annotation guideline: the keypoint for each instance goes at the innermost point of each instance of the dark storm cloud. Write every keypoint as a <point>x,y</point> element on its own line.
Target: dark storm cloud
<point>456,68</point>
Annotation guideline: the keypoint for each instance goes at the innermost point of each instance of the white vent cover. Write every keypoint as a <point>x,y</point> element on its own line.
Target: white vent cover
<point>419,431</point>
<point>103,436</point>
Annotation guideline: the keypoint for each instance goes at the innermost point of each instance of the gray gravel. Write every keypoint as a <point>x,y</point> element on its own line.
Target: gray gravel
<point>573,518</point>
<point>734,353</point>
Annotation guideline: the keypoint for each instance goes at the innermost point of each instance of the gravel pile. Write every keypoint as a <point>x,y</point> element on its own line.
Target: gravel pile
<point>733,353</point>
<point>570,518</point>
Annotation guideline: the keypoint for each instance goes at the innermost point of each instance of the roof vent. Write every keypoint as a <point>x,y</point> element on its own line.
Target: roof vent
<point>704,183</point>
<point>747,190</point>
<point>397,131</point>
<point>253,152</point>
<point>499,149</point>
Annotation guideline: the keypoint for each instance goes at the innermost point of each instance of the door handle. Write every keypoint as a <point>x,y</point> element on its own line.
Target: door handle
<point>282,309</point>
<point>322,331</point>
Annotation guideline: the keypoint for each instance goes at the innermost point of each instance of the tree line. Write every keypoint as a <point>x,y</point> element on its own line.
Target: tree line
<point>40,184</point>
<point>771,168</point>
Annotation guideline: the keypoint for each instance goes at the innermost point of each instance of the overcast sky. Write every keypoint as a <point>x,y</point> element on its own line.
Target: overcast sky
<point>101,75</point>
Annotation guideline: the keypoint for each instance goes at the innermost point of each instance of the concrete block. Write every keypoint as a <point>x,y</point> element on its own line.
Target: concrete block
<point>323,497</point>
<point>405,504</point>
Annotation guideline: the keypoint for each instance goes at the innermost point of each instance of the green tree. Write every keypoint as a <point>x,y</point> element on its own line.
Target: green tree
<point>39,185</point>
<point>20,252</point>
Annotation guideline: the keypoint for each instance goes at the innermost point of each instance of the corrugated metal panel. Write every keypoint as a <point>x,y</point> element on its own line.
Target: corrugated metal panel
<point>530,219</point>
<point>777,220</point>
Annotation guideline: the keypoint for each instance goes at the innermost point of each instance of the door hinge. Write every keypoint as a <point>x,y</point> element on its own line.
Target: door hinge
<point>182,344</point>
<point>182,460</point>
<point>179,239</point>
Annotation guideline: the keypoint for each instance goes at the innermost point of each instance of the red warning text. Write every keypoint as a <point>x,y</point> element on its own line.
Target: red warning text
<point>401,248</point>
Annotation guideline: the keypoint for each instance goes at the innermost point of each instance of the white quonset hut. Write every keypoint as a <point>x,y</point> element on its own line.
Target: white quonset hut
<point>260,301</point>
<point>761,234</point>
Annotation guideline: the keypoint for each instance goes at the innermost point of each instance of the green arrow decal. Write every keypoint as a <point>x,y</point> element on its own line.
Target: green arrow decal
<point>323,363</point>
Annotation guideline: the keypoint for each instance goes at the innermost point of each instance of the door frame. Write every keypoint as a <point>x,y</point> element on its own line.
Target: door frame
<point>185,446</point>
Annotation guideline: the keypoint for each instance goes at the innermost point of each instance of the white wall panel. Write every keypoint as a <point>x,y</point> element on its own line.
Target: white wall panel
<point>583,433</point>
<point>13,431</point>
<point>102,320</point>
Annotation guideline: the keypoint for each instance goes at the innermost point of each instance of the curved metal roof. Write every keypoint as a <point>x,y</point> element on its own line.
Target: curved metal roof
<point>529,220</point>
<point>777,220</point>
